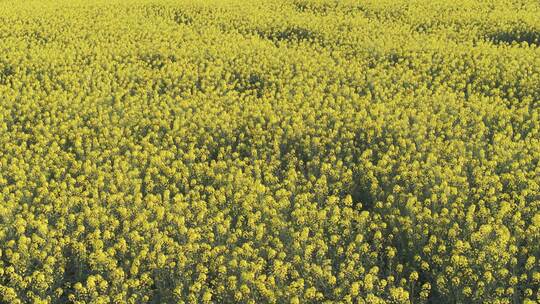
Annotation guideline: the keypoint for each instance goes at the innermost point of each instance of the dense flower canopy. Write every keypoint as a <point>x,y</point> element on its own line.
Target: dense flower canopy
<point>270,151</point>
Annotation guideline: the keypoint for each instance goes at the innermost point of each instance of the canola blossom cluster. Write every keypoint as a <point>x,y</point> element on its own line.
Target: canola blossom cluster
<point>269,151</point>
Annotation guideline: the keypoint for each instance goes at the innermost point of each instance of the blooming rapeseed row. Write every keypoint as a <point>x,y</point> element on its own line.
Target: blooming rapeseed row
<point>276,151</point>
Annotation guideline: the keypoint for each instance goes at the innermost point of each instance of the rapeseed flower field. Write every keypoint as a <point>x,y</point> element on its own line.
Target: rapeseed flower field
<point>269,151</point>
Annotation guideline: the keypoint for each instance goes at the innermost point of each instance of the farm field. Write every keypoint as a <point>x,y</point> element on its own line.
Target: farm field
<point>270,151</point>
